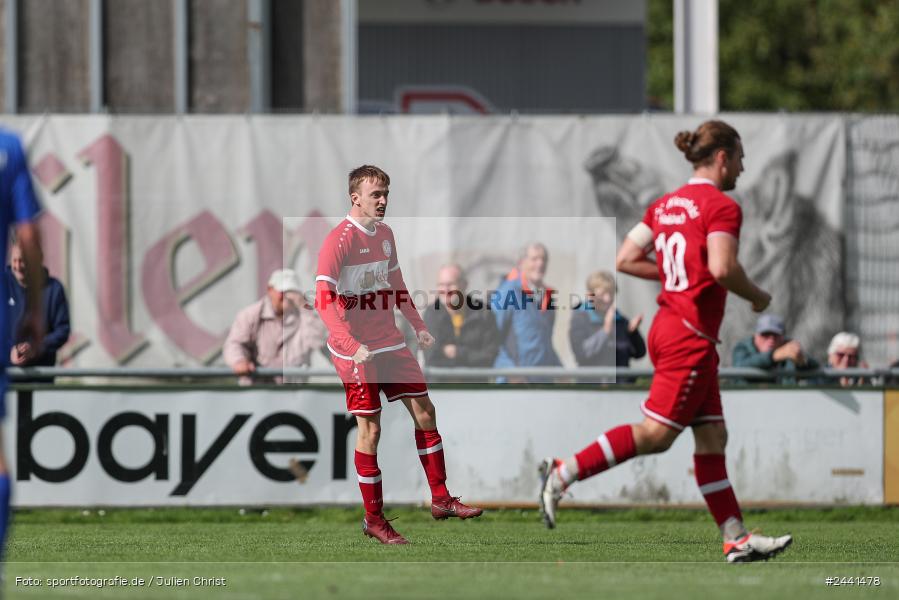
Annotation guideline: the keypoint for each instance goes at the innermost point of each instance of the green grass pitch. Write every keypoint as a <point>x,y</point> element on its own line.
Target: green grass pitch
<point>321,553</point>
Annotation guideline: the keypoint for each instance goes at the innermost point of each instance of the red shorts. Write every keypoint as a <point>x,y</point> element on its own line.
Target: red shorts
<point>684,390</point>
<point>395,372</point>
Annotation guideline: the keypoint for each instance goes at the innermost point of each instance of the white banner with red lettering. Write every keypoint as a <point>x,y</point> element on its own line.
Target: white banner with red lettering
<point>162,228</point>
<point>153,447</point>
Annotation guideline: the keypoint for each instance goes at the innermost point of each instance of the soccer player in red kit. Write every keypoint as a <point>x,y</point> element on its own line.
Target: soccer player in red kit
<point>694,232</point>
<point>358,284</point>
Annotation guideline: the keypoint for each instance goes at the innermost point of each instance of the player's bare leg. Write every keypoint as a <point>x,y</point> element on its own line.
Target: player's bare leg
<point>711,476</point>
<point>368,433</point>
<point>610,449</point>
<point>430,452</point>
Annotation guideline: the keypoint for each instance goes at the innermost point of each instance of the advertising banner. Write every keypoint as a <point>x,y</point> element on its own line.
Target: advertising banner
<point>163,228</point>
<point>156,448</point>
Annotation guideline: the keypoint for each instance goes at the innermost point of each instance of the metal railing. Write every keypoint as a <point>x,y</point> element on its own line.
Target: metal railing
<point>480,375</point>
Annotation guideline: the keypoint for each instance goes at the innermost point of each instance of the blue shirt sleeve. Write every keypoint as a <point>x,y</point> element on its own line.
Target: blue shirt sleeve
<point>501,309</point>
<point>24,205</point>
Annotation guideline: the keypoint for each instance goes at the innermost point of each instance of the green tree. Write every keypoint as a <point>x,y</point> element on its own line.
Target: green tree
<point>792,54</point>
<point>660,54</point>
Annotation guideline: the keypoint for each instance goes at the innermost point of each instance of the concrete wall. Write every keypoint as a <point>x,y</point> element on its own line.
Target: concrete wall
<point>219,71</point>
<point>53,56</point>
<point>138,56</point>
<point>321,60</point>
<point>564,66</point>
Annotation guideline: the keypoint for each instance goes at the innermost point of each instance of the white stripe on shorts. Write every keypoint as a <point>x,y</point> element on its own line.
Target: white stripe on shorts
<point>708,419</point>
<point>377,351</point>
<point>335,353</point>
<point>715,486</point>
<point>657,417</point>
<point>431,450</point>
<point>407,395</point>
<point>399,346</point>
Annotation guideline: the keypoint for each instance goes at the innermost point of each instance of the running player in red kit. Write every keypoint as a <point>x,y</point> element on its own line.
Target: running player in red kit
<point>694,232</point>
<point>358,284</point>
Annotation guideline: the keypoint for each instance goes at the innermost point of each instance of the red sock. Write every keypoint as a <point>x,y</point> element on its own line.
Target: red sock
<point>370,484</point>
<point>430,452</point>
<point>611,448</point>
<point>711,475</point>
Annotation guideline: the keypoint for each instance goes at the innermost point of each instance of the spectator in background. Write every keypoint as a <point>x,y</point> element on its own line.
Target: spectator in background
<point>599,334</point>
<point>525,314</point>
<point>844,352</point>
<point>280,330</point>
<point>893,379</point>
<point>54,308</point>
<point>464,328</point>
<point>770,349</point>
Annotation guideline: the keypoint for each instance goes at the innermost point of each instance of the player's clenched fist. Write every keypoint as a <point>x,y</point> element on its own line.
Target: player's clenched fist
<point>363,354</point>
<point>425,339</point>
<point>761,302</point>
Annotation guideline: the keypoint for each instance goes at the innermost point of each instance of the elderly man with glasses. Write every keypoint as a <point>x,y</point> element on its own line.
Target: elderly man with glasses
<point>843,353</point>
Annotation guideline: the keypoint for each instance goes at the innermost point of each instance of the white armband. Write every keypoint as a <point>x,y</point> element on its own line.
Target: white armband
<point>641,235</point>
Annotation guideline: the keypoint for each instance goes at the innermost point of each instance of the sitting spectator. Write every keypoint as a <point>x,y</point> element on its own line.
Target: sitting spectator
<point>844,353</point>
<point>599,334</point>
<point>280,330</point>
<point>769,349</point>
<point>893,377</point>
<point>464,328</point>
<point>55,310</point>
<point>525,314</point>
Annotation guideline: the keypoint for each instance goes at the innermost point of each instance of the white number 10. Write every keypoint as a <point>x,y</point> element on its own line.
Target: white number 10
<point>672,250</point>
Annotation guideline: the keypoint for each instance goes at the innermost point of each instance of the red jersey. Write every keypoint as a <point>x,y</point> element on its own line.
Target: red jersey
<point>681,224</point>
<point>361,266</point>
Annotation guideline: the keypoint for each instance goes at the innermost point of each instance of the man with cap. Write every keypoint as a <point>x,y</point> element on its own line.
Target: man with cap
<point>279,330</point>
<point>768,348</point>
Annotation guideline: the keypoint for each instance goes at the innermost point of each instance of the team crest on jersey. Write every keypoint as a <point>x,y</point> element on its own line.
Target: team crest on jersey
<point>388,249</point>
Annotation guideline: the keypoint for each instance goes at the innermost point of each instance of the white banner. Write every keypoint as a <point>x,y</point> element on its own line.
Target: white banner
<point>155,448</point>
<point>162,228</point>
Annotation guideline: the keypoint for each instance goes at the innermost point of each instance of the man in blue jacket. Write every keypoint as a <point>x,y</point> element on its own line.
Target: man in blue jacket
<point>525,313</point>
<point>54,308</point>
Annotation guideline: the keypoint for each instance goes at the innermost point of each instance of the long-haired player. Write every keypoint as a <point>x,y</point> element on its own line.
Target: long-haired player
<point>694,232</point>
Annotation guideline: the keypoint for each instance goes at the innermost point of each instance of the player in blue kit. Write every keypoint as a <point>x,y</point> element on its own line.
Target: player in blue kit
<point>18,208</point>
